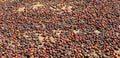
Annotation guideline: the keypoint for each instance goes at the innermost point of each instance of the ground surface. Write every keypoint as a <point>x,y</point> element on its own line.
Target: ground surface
<point>60,29</point>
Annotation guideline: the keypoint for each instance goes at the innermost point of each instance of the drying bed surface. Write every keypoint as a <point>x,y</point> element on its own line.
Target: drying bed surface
<point>59,29</point>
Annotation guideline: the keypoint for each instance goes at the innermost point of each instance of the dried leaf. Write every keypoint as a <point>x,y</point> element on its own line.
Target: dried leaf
<point>69,8</point>
<point>40,38</point>
<point>76,31</point>
<point>37,5</point>
<point>97,32</point>
<point>21,9</point>
<point>52,39</point>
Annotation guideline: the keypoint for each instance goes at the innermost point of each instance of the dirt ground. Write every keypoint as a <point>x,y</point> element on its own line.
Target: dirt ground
<point>59,29</point>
